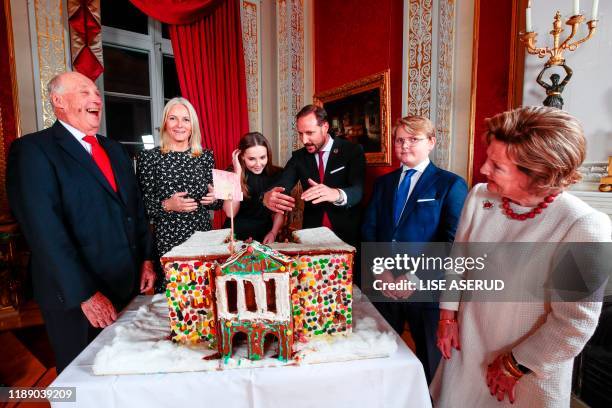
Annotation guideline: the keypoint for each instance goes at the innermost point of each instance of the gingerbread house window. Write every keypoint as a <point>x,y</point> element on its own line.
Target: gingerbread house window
<point>271,295</point>
<point>249,296</point>
<point>231,290</point>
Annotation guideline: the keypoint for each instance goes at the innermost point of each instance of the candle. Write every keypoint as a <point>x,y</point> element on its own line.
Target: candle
<point>528,20</point>
<point>576,7</point>
<point>595,9</point>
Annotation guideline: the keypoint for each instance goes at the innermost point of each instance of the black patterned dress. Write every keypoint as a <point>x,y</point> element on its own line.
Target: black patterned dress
<point>163,174</point>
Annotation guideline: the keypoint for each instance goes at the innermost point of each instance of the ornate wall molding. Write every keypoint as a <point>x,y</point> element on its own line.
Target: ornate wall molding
<point>290,51</point>
<point>419,57</point>
<point>444,83</point>
<point>49,44</point>
<point>427,73</point>
<point>250,13</point>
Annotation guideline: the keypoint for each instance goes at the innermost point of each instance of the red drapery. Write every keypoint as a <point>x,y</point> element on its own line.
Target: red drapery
<point>85,37</point>
<point>176,11</point>
<point>210,66</point>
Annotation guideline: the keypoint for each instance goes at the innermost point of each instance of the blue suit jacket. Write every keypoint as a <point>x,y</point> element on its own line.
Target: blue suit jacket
<point>84,236</point>
<point>434,220</point>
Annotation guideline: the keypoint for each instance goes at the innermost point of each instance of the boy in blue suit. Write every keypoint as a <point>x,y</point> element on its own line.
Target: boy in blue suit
<point>418,202</point>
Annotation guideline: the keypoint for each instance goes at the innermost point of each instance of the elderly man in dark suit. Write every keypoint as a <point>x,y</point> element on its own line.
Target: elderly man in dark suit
<point>331,171</point>
<point>418,202</point>
<point>76,198</point>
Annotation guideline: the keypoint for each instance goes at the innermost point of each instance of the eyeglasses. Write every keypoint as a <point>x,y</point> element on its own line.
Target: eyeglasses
<point>400,141</point>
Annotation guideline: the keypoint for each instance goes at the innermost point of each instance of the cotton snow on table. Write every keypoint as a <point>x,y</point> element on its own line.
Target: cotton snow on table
<point>394,381</point>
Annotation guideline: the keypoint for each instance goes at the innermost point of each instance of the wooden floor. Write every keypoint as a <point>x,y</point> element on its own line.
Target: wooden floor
<point>26,357</point>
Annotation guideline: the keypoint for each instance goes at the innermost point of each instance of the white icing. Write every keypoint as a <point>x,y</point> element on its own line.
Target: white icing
<point>202,243</point>
<point>283,309</point>
<point>214,244</point>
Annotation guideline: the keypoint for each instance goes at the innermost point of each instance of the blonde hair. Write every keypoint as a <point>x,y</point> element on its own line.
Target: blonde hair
<point>195,140</point>
<point>414,125</point>
<point>547,144</point>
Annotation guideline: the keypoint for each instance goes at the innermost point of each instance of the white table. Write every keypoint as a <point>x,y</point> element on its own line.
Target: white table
<point>395,381</point>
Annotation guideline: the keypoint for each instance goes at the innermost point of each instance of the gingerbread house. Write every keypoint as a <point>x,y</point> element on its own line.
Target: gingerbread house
<point>278,294</point>
<point>253,298</point>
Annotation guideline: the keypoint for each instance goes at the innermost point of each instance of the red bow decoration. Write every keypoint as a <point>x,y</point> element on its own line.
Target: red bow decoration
<point>85,37</point>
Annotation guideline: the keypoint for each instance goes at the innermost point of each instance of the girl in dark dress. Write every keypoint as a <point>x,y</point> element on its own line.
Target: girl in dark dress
<point>252,161</point>
<point>176,180</point>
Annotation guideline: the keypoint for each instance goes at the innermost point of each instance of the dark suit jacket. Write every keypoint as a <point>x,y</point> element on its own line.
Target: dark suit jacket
<point>84,237</point>
<point>345,169</point>
<point>426,221</point>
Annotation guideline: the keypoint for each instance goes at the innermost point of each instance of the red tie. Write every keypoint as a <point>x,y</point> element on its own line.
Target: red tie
<point>326,222</point>
<point>101,158</point>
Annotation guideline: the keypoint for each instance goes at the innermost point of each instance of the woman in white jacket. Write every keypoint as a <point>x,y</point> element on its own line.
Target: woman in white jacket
<point>521,352</point>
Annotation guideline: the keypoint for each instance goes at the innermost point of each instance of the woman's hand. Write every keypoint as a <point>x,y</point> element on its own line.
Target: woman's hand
<point>209,198</point>
<point>448,333</point>
<point>236,162</point>
<point>500,381</point>
<point>178,202</point>
<point>269,238</point>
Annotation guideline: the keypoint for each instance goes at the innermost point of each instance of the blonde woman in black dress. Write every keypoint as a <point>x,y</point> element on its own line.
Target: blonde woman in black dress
<point>176,178</point>
<point>252,161</point>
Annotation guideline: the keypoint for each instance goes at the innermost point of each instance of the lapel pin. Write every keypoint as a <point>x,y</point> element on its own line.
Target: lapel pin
<point>336,150</point>
<point>487,205</point>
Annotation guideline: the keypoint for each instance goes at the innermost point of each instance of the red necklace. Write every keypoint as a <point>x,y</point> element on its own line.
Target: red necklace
<point>531,214</point>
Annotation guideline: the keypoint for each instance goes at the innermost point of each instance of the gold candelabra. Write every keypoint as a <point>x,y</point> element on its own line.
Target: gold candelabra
<point>529,38</point>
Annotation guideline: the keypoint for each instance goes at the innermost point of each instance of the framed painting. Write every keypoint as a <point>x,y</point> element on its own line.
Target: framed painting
<point>360,112</point>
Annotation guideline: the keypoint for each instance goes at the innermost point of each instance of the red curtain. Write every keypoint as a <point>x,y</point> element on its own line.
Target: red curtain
<point>86,37</point>
<point>211,72</point>
<point>176,11</point>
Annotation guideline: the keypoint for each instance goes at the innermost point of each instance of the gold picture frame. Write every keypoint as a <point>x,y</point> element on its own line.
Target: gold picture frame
<point>360,111</point>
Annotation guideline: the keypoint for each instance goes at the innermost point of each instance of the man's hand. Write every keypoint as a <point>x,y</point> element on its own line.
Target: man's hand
<point>147,276</point>
<point>402,293</point>
<point>99,310</point>
<point>387,277</point>
<point>278,202</point>
<point>320,193</point>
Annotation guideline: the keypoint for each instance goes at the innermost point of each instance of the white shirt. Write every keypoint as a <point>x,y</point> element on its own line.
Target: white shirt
<point>326,149</point>
<point>78,135</point>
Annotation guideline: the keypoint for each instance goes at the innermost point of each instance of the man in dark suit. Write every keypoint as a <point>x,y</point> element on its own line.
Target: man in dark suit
<point>331,172</point>
<point>77,201</point>
<point>416,203</point>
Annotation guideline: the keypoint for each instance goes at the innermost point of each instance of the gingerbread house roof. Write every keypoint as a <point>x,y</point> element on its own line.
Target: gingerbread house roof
<point>255,258</point>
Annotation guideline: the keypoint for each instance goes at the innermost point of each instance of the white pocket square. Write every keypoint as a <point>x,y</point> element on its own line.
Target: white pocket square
<point>422,200</point>
<point>336,170</point>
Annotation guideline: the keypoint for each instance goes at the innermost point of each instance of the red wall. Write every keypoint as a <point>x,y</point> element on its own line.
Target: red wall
<point>493,72</point>
<point>357,38</point>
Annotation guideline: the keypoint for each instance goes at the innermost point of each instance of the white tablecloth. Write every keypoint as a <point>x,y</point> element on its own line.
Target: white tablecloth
<point>395,381</point>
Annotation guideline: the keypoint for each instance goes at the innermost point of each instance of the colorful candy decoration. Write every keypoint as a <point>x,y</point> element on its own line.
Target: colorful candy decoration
<point>190,301</point>
<point>322,294</point>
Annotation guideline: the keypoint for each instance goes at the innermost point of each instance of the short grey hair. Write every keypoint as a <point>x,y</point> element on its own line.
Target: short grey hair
<point>55,86</point>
